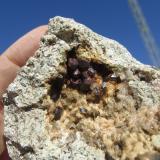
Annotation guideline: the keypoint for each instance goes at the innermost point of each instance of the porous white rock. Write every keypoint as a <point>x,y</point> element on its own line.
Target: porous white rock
<point>27,128</point>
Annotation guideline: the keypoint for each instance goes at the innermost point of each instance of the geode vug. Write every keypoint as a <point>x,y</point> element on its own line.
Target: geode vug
<point>82,96</point>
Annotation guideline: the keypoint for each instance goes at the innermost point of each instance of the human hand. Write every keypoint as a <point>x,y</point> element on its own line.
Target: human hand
<point>10,62</point>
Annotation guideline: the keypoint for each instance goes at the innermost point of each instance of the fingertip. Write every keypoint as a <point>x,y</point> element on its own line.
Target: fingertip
<point>23,48</point>
<point>37,33</point>
<point>41,28</point>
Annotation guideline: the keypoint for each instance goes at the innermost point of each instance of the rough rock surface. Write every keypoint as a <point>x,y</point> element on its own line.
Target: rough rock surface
<point>110,111</point>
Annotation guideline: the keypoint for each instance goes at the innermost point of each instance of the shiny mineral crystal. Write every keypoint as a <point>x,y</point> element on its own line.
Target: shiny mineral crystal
<point>82,97</point>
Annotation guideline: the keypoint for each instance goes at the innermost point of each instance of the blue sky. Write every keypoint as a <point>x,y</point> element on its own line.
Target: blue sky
<point>110,18</point>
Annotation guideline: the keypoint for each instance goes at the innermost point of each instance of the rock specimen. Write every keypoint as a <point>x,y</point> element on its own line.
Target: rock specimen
<point>82,97</point>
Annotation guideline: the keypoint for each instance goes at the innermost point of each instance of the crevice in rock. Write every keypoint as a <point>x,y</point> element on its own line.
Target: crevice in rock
<point>31,107</point>
<point>87,79</point>
<point>108,156</point>
<point>22,150</point>
<point>144,76</point>
<point>56,87</point>
<point>10,98</point>
<point>67,36</point>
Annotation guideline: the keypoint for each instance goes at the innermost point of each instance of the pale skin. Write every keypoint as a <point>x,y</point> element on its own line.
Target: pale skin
<point>12,60</point>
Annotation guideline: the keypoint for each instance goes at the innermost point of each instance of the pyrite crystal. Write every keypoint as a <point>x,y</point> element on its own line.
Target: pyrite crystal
<point>82,96</point>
